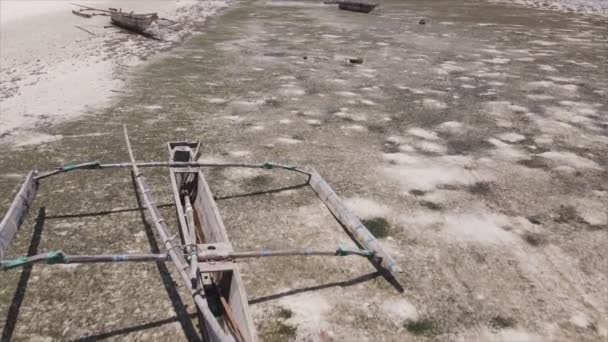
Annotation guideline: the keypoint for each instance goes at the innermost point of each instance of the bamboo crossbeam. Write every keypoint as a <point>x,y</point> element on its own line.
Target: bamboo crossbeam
<point>59,257</point>
<point>182,267</point>
<point>95,165</point>
<point>92,8</point>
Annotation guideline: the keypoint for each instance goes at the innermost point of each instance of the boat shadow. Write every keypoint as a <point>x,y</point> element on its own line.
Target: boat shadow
<point>128,330</point>
<point>345,283</point>
<point>261,192</point>
<point>26,273</point>
<point>144,34</point>
<point>103,212</point>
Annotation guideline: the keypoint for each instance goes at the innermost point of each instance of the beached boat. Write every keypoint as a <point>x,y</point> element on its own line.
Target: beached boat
<point>356,6</point>
<point>201,227</point>
<point>131,21</point>
<point>204,258</point>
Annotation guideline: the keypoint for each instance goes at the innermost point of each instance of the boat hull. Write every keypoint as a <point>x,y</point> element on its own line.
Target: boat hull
<point>133,22</point>
<point>356,6</point>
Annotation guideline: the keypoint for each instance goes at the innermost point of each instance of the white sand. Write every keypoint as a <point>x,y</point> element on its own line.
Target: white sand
<point>52,71</point>
<point>399,310</point>
<point>593,7</point>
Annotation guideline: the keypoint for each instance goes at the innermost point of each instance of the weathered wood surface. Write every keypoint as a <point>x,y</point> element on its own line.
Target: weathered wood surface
<point>216,333</point>
<point>208,214</point>
<point>356,6</point>
<point>191,242</point>
<point>133,22</point>
<point>350,221</point>
<point>208,221</point>
<point>17,212</point>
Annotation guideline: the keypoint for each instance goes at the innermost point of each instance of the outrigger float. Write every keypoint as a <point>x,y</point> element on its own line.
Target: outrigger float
<point>204,258</point>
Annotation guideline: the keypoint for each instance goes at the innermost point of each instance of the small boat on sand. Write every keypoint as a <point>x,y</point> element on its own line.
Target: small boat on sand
<point>131,21</point>
<point>356,6</point>
<point>127,20</point>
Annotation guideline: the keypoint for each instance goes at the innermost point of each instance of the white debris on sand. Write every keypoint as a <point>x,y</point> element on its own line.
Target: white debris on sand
<point>426,173</point>
<point>400,311</point>
<point>592,7</point>
<point>367,208</point>
<point>509,335</point>
<point>511,137</point>
<point>570,159</point>
<point>433,104</point>
<point>476,226</point>
<point>450,127</point>
<point>309,311</point>
<point>34,139</point>
<point>287,141</point>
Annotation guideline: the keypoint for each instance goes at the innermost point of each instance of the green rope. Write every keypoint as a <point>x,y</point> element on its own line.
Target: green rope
<point>270,165</point>
<point>51,258</point>
<point>54,257</point>
<point>89,165</point>
<point>19,262</point>
<point>345,252</point>
<point>369,254</point>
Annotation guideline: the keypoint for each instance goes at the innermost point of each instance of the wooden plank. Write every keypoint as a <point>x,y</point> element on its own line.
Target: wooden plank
<point>215,330</point>
<point>213,226</point>
<point>17,212</point>
<point>216,266</point>
<point>209,220</point>
<point>232,321</point>
<point>350,221</point>
<point>208,214</point>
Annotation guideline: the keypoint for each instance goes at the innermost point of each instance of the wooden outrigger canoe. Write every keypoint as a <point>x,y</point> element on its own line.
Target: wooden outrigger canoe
<point>127,20</point>
<point>131,21</point>
<point>356,6</point>
<point>204,258</point>
<point>201,227</point>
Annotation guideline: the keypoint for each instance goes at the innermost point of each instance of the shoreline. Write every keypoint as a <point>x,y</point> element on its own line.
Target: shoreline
<point>596,8</point>
<point>53,71</point>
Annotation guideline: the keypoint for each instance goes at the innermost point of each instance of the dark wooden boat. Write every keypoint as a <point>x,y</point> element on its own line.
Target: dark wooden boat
<point>356,6</point>
<point>131,21</point>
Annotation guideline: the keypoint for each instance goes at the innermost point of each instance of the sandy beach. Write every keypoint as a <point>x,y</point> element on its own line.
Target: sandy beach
<point>578,7</point>
<point>52,69</point>
<point>473,145</point>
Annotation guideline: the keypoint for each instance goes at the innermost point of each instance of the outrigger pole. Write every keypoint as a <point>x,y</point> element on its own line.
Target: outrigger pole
<point>183,268</point>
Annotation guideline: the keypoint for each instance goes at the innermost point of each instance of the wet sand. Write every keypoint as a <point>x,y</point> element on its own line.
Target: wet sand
<point>478,141</point>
